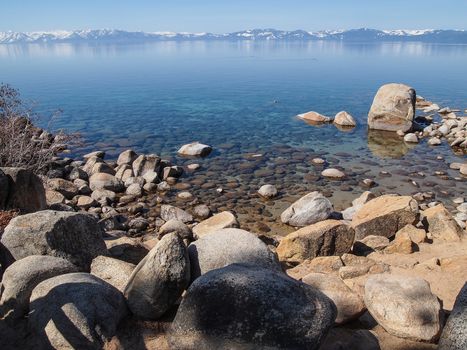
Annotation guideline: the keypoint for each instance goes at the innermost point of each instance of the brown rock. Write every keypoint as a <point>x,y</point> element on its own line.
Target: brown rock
<point>329,237</point>
<point>384,216</point>
<point>320,264</point>
<point>441,225</point>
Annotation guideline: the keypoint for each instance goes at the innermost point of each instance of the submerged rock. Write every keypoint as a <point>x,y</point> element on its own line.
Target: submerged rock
<point>236,308</point>
<point>312,208</point>
<point>393,108</point>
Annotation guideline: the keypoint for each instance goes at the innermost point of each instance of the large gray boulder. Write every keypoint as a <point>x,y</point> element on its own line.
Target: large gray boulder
<point>404,306</point>
<point>229,246</point>
<point>454,336</point>
<point>393,108</point>
<point>312,208</point>
<point>249,307</point>
<point>25,191</point>
<point>75,311</point>
<point>159,279</point>
<point>23,276</point>
<point>76,237</point>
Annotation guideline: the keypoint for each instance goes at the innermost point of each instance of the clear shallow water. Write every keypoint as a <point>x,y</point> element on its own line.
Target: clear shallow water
<point>241,98</point>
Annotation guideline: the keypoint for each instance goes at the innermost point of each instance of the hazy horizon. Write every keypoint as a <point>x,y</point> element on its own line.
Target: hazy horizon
<point>216,17</point>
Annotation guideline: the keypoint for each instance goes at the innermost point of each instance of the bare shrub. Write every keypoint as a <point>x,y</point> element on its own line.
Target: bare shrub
<point>22,144</point>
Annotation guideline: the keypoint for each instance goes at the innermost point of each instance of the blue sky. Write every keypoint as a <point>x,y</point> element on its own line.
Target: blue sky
<point>226,16</point>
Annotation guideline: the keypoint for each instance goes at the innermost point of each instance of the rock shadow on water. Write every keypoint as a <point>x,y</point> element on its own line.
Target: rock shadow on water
<point>387,144</point>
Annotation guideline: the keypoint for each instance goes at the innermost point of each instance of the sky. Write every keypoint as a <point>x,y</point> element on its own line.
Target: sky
<point>220,16</point>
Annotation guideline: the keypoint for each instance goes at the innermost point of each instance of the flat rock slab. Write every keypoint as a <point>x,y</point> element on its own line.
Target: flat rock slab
<point>217,222</point>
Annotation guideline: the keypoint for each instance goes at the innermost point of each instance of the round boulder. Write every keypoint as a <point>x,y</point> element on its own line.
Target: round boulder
<point>23,276</point>
<point>75,311</point>
<point>195,149</point>
<point>268,191</point>
<point>76,237</point>
<point>249,307</point>
<point>404,306</point>
<point>229,246</point>
<point>307,210</point>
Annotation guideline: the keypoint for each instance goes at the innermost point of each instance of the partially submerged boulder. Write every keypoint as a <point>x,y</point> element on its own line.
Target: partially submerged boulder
<point>236,308</point>
<point>75,311</point>
<point>344,119</point>
<point>195,149</point>
<point>76,237</point>
<point>312,208</point>
<point>393,108</point>
<point>329,237</point>
<point>314,117</point>
<point>229,246</point>
<point>159,279</point>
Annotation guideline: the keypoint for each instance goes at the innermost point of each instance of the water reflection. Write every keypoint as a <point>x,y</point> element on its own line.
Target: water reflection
<point>386,49</point>
<point>387,144</point>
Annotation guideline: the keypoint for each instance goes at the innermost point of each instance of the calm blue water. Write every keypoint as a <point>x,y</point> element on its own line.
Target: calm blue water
<point>241,97</point>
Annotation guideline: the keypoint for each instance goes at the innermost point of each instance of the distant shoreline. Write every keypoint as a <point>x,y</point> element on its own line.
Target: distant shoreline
<point>354,36</point>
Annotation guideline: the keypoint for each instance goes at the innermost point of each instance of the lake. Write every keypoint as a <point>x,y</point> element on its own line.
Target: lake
<point>242,98</point>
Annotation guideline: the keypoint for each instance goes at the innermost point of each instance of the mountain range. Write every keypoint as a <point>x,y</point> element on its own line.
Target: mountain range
<point>353,35</point>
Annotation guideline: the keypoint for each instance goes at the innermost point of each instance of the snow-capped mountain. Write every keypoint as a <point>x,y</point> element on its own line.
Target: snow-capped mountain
<point>362,35</point>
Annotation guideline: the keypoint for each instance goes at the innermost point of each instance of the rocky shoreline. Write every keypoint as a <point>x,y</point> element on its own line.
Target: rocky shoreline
<point>122,254</point>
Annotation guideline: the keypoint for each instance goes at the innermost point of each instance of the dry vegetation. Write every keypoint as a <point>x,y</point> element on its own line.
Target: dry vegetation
<point>22,144</point>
